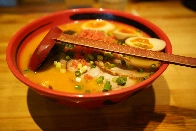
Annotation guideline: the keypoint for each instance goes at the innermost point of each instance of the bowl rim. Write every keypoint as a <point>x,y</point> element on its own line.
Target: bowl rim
<point>61,94</point>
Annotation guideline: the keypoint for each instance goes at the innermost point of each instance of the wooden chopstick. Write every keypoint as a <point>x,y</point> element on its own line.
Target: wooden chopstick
<point>117,48</point>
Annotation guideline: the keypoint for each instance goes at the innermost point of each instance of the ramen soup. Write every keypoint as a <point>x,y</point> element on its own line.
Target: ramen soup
<point>76,69</point>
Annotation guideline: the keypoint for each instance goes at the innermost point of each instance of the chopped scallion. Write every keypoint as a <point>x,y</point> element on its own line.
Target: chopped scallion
<point>100,79</point>
<point>93,65</point>
<point>108,56</point>
<point>109,65</point>
<point>83,69</point>
<point>27,70</point>
<point>58,65</point>
<point>68,57</point>
<point>121,80</point>
<point>87,91</point>
<point>112,65</point>
<point>120,42</point>
<point>153,67</point>
<point>90,56</point>
<point>107,86</point>
<point>114,79</point>
<point>140,70</point>
<point>87,58</point>
<point>99,57</point>
<point>77,73</point>
<point>123,62</point>
<point>130,67</point>
<point>70,32</point>
<point>78,87</point>
<point>70,46</point>
<point>70,54</point>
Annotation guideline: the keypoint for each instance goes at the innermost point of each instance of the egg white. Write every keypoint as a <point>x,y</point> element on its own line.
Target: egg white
<point>158,44</point>
<point>122,35</point>
<point>106,27</point>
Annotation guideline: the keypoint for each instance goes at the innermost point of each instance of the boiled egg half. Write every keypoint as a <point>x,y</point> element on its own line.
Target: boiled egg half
<point>98,24</point>
<point>153,44</point>
<point>124,33</point>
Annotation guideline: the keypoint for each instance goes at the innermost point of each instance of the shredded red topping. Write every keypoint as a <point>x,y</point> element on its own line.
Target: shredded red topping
<point>88,77</point>
<point>74,64</point>
<point>96,35</point>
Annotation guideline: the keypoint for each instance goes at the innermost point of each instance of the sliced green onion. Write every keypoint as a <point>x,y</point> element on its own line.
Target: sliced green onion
<point>70,54</point>
<point>93,66</point>
<point>141,79</point>
<point>77,73</point>
<point>112,65</point>
<point>140,70</point>
<point>55,62</point>
<point>123,62</point>
<point>107,86</point>
<point>70,46</point>
<point>108,56</point>
<point>146,77</point>
<point>114,79</point>
<point>91,62</point>
<point>87,91</point>
<point>87,58</point>
<point>99,57</point>
<point>130,67</point>
<point>153,67</point>
<point>100,79</point>
<point>70,32</point>
<point>83,69</point>
<point>79,65</point>
<point>58,65</point>
<point>68,57</point>
<point>121,80</point>
<point>90,56</point>
<point>139,31</point>
<point>120,42</point>
<point>109,65</point>
<point>78,87</point>
<point>27,70</point>
<point>151,73</point>
<point>94,55</point>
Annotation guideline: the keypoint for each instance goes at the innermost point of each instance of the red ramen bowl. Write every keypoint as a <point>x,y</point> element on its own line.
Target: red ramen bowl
<point>93,100</point>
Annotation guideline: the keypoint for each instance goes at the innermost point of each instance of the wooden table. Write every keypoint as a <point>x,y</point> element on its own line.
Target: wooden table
<point>169,104</point>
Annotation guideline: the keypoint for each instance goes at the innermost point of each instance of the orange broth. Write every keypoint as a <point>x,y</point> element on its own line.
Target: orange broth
<point>52,78</point>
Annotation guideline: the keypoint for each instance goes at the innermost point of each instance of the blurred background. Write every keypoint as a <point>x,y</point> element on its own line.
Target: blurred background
<point>47,5</point>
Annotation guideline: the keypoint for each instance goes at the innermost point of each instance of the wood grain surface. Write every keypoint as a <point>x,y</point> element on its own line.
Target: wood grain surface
<point>168,105</point>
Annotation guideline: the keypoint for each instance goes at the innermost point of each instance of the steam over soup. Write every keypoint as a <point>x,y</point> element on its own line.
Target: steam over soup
<point>76,69</point>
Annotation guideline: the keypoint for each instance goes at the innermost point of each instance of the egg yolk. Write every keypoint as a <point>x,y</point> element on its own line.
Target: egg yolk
<point>96,24</point>
<point>128,31</point>
<point>143,43</point>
